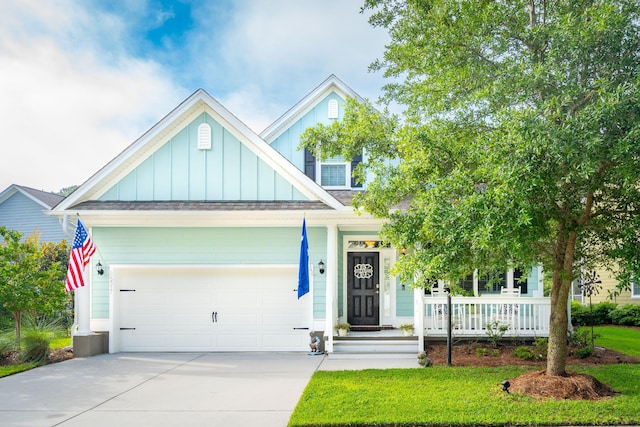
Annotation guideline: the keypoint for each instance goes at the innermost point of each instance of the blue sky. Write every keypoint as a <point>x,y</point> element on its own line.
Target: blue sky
<point>81,80</point>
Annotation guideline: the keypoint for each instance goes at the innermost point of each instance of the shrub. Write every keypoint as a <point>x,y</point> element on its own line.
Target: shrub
<point>596,314</point>
<point>626,315</point>
<point>35,348</point>
<point>524,352</point>
<point>495,332</point>
<point>541,346</point>
<point>584,352</point>
<point>481,351</point>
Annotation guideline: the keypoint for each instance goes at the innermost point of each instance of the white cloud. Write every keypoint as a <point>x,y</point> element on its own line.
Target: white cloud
<point>73,95</point>
<point>66,109</point>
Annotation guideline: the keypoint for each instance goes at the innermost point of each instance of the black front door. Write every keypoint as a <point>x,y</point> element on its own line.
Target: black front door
<point>363,288</point>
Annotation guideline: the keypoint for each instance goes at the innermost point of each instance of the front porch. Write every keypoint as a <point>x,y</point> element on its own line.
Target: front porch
<point>524,317</point>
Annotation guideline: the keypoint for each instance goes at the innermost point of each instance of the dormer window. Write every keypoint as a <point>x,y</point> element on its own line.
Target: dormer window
<point>332,112</point>
<point>335,172</point>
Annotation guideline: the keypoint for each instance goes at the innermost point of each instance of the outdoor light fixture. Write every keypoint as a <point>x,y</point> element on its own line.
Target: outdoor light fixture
<point>505,385</point>
<point>321,267</point>
<point>99,269</point>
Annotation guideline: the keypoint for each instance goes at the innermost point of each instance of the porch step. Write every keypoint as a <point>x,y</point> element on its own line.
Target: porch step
<point>361,348</point>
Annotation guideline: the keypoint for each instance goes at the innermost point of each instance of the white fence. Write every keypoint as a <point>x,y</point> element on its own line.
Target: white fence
<point>525,317</point>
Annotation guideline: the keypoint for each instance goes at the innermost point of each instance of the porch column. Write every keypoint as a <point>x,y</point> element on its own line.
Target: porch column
<point>331,302</point>
<point>418,315</point>
<point>82,298</point>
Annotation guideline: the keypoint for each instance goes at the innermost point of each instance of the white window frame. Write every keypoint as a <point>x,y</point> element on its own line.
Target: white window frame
<point>347,175</point>
<point>634,294</point>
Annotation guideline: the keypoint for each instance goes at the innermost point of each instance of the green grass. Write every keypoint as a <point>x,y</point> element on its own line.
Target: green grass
<point>457,396</point>
<point>618,338</point>
<point>59,342</point>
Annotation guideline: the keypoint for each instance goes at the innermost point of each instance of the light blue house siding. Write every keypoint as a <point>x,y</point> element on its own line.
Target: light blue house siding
<point>22,214</point>
<point>180,171</point>
<point>287,143</point>
<point>210,246</point>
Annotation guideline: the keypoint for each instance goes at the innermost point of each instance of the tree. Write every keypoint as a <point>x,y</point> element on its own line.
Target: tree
<point>519,141</point>
<point>30,276</point>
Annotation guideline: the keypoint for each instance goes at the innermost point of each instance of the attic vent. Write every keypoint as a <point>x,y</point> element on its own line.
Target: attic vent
<point>204,137</point>
<point>333,109</point>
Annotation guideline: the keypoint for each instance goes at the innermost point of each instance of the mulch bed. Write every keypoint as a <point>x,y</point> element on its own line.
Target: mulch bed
<point>536,384</point>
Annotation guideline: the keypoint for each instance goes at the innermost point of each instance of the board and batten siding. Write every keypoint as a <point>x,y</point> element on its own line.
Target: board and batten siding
<point>208,246</point>
<point>24,215</point>
<point>180,171</point>
<point>287,143</point>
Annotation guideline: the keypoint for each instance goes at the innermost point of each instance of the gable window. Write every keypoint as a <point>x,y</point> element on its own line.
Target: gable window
<point>335,172</point>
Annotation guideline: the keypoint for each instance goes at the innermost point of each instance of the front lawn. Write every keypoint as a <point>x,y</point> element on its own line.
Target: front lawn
<point>618,338</point>
<point>457,396</point>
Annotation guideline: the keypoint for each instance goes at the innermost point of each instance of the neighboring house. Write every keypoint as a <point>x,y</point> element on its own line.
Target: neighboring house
<point>198,225</point>
<point>607,291</point>
<point>23,209</point>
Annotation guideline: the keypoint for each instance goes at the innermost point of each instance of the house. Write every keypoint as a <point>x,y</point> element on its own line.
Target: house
<point>606,290</point>
<point>23,209</point>
<point>198,225</point>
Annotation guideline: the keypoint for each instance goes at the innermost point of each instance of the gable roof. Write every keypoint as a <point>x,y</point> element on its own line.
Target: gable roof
<point>200,101</point>
<point>45,199</point>
<point>331,84</point>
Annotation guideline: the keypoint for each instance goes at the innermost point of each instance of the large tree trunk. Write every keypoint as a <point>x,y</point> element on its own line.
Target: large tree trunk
<point>559,319</point>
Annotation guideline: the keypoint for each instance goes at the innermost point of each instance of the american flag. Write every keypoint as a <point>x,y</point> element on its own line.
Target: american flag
<point>81,252</point>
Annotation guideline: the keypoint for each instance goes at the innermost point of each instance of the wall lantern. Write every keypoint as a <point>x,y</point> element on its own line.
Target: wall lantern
<point>321,267</point>
<point>99,269</point>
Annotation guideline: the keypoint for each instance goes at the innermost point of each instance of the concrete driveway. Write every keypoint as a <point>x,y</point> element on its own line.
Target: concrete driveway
<point>159,389</point>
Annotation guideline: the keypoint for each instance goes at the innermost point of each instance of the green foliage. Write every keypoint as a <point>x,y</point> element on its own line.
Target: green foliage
<point>31,277</point>
<point>581,337</point>
<point>596,314</point>
<point>541,346</point>
<point>519,140</point>
<point>626,315</point>
<point>495,332</point>
<point>35,348</point>
<point>584,352</point>
<point>524,352</point>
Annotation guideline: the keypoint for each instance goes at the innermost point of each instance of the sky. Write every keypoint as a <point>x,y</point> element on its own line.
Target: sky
<point>82,80</point>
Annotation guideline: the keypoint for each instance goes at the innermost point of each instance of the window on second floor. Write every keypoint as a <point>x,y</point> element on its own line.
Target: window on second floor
<point>332,173</point>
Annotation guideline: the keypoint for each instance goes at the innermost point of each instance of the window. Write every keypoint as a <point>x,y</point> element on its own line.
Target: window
<point>492,283</point>
<point>520,280</point>
<point>635,290</point>
<point>335,172</point>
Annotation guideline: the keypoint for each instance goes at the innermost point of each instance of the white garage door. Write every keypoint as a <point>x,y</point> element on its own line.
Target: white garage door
<point>210,309</point>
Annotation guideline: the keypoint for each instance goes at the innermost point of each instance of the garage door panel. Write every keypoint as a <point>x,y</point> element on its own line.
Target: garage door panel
<point>171,309</point>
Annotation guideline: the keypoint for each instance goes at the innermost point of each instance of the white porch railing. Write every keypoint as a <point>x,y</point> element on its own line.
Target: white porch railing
<point>526,317</point>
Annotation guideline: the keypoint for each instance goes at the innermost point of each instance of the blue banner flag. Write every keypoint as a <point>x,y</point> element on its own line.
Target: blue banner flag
<point>303,272</point>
